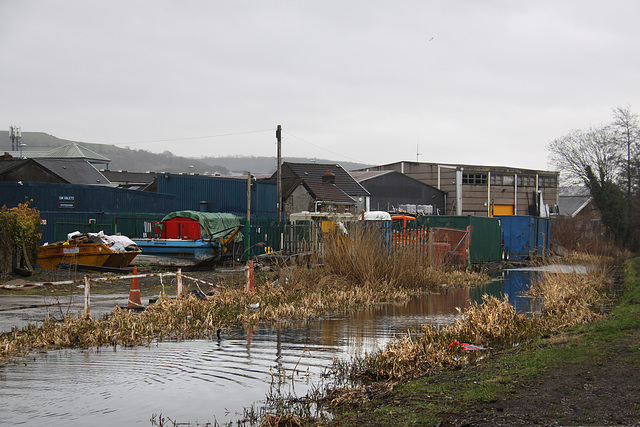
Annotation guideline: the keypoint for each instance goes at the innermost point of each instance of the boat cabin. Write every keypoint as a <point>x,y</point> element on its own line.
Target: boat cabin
<point>179,228</point>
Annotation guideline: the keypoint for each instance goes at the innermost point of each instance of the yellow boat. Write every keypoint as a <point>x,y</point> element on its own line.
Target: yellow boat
<point>89,253</point>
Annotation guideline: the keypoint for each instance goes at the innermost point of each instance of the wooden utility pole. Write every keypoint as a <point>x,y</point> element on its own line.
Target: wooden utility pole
<point>247,233</point>
<point>279,173</point>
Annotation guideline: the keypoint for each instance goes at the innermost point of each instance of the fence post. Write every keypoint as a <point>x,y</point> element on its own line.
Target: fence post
<point>87,293</point>
<point>467,244</point>
<point>249,271</point>
<point>430,259</point>
<point>179,282</point>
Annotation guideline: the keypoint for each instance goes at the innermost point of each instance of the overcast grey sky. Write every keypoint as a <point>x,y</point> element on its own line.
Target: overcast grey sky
<point>474,82</point>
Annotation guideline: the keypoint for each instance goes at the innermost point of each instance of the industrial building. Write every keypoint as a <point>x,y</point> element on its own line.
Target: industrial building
<point>392,191</point>
<point>486,190</point>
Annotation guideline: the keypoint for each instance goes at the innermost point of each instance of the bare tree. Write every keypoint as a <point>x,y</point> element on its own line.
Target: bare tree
<point>578,152</point>
<point>627,132</point>
<point>627,129</point>
<point>602,159</point>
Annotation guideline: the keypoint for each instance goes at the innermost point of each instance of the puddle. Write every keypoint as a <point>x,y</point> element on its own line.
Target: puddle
<point>557,268</point>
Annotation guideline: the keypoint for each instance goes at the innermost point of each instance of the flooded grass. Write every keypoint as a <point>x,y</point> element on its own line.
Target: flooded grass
<point>490,324</point>
<point>343,282</point>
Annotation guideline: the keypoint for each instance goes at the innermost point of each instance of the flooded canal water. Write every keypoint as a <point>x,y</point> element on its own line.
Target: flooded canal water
<point>204,381</point>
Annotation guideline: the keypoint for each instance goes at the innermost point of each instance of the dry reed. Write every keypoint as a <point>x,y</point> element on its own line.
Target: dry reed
<point>365,256</point>
<point>571,299</point>
<point>284,420</point>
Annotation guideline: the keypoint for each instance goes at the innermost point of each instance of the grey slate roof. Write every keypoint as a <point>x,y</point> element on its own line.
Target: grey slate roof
<point>572,205</point>
<point>75,151</point>
<point>293,173</point>
<point>53,170</point>
<point>8,165</point>
<point>74,171</point>
<point>327,192</point>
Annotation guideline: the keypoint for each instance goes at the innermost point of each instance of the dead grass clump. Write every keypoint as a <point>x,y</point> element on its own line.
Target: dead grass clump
<point>364,257</point>
<point>494,322</point>
<point>416,353</point>
<point>571,299</point>
<point>284,420</point>
<point>613,260</point>
<point>582,258</point>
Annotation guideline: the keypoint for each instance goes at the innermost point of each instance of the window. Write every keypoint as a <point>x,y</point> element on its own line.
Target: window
<point>548,181</point>
<point>526,181</point>
<point>530,181</point>
<point>502,179</point>
<point>474,178</point>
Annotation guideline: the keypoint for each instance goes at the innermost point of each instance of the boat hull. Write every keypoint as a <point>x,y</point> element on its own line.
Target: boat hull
<point>196,252</point>
<point>97,254</point>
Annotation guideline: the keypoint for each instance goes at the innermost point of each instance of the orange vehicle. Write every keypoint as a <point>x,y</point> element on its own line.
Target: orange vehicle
<point>405,230</point>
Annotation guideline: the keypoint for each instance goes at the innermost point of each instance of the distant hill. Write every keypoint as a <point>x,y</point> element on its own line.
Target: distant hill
<point>143,161</point>
<point>268,165</point>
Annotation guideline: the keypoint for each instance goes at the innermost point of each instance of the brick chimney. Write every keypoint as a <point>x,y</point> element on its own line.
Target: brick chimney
<point>6,156</point>
<point>329,177</point>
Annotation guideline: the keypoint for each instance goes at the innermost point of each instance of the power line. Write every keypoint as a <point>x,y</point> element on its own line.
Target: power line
<point>322,148</point>
<point>192,137</point>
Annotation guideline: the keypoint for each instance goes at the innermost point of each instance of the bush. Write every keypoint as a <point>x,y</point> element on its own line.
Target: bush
<point>19,237</point>
<point>582,234</point>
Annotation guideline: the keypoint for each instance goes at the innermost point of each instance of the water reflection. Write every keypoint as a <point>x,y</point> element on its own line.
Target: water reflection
<point>213,380</point>
<point>514,284</point>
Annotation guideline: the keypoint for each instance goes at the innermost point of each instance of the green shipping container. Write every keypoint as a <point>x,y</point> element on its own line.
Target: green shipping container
<point>486,238</point>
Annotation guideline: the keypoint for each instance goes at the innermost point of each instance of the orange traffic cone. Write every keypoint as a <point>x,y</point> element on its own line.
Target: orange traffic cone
<point>134,293</point>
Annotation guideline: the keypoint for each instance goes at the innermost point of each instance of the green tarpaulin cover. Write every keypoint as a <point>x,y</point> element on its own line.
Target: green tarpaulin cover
<point>212,224</point>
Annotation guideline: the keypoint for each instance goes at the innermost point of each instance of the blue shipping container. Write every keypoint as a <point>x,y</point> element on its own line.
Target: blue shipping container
<point>543,236</point>
<point>524,236</point>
